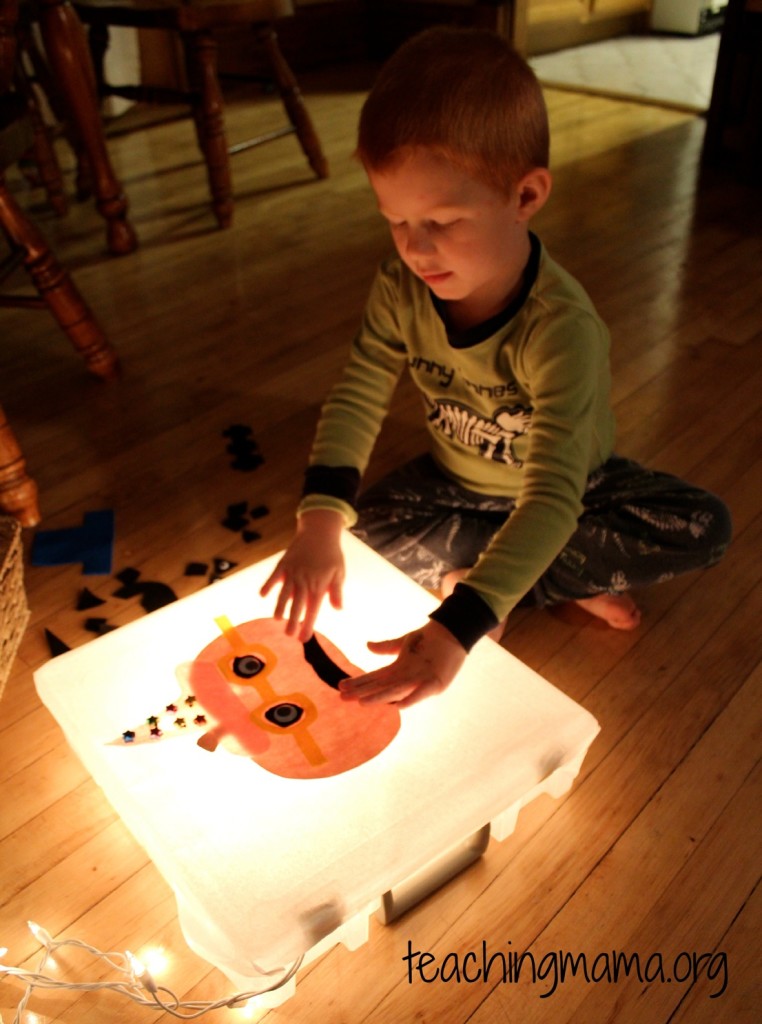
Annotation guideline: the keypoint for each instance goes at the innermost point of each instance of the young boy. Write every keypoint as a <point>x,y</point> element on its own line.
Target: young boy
<point>521,499</point>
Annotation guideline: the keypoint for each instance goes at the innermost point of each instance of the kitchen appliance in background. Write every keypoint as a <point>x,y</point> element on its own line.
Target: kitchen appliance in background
<point>688,17</point>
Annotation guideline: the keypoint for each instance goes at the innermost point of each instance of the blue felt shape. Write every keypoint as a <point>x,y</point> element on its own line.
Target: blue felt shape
<point>92,544</point>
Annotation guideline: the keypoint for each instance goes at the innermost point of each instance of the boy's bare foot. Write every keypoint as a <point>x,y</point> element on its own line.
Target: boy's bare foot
<point>618,610</point>
<point>450,579</point>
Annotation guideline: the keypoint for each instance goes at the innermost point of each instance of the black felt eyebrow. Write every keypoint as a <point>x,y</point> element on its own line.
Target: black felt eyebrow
<point>323,664</point>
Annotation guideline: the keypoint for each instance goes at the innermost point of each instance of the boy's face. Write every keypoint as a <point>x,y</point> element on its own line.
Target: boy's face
<point>466,241</point>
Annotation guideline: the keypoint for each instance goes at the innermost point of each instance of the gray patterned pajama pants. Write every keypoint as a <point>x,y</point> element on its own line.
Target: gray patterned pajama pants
<point>637,527</point>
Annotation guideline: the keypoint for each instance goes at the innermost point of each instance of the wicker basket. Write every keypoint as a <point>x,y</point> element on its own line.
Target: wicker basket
<point>14,611</point>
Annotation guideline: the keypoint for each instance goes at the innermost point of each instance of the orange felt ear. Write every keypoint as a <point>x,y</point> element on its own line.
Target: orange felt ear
<point>233,725</point>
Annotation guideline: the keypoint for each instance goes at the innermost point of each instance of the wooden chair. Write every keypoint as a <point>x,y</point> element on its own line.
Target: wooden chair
<point>64,69</point>
<point>196,22</point>
<point>55,289</point>
<point>40,164</point>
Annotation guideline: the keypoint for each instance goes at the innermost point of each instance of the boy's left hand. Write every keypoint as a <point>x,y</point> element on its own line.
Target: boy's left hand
<point>428,659</point>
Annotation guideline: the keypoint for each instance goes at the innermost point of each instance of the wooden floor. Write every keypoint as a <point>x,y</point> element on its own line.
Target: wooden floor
<point>656,850</point>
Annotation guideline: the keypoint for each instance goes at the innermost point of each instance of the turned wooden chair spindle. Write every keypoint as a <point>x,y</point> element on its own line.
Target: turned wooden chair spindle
<point>197,22</point>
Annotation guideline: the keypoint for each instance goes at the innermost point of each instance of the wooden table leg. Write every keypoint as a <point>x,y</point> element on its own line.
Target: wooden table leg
<point>69,57</point>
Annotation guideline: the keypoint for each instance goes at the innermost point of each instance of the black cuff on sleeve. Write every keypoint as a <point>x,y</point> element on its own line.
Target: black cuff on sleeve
<point>466,615</point>
<point>336,481</point>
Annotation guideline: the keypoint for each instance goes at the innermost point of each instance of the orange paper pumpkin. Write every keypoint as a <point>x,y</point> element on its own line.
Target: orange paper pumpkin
<point>269,696</point>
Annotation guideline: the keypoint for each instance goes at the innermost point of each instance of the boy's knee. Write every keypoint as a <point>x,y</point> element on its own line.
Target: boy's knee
<point>718,525</point>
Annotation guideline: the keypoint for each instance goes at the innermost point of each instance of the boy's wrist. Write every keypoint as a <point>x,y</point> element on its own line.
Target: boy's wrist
<point>465,615</point>
<point>327,503</point>
<point>327,521</point>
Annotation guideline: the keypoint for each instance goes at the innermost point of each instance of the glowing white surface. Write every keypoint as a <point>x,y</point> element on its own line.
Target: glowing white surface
<point>263,867</point>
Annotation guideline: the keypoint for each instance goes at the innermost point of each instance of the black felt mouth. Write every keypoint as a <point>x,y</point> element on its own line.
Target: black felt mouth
<point>325,667</point>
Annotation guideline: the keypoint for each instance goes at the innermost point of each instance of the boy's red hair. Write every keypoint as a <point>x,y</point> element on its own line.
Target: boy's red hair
<point>465,93</point>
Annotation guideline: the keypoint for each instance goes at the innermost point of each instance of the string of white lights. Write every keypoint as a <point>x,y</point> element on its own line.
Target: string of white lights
<point>137,982</point>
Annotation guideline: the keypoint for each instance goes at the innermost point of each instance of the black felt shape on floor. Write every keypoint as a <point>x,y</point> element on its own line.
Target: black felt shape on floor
<point>196,569</point>
<point>56,646</point>
<point>234,523</point>
<point>236,431</point>
<point>99,626</point>
<point>238,516</point>
<point>153,594</point>
<point>87,599</point>
<point>247,461</point>
<point>243,447</point>
<point>128,577</point>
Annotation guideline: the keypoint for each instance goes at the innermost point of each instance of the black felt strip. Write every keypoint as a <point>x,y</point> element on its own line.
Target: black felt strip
<point>325,667</point>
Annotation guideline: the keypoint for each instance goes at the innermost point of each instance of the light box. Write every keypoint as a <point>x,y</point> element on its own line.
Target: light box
<point>272,850</point>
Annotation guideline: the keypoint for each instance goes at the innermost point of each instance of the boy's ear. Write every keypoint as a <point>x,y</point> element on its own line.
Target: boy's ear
<point>533,191</point>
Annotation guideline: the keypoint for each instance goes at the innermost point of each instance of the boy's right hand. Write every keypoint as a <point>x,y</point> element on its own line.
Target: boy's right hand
<point>311,567</point>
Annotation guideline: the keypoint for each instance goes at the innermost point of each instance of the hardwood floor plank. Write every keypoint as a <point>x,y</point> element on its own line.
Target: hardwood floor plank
<point>740,1001</point>
<point>75,884</point>
<point>691,918</point>
<point>50,836</point>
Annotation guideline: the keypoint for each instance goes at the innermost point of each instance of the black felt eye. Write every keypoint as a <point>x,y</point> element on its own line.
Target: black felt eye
<point>247,666</point>
<point>284,715</point>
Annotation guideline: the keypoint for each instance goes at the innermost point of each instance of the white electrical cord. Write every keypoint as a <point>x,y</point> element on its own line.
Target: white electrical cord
<point>138,980</point>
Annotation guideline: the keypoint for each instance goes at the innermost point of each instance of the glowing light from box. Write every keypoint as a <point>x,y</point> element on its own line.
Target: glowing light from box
<point>267,867</point>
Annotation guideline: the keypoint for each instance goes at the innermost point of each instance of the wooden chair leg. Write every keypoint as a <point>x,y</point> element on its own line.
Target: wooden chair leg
<point>98,38</point>
<point>208,106</point>
<point>43,153</point>
<point>293,102</point>
<point>44,80</point>
<point>57,290</point>
<point>18,492</point>
<point>67,51</point>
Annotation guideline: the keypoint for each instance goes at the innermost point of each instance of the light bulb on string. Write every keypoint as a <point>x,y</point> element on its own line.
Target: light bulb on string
<point>42,935</point>
<point>155,959</point>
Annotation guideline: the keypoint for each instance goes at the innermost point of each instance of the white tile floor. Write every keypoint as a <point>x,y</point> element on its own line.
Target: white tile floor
<point>671,70</point>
